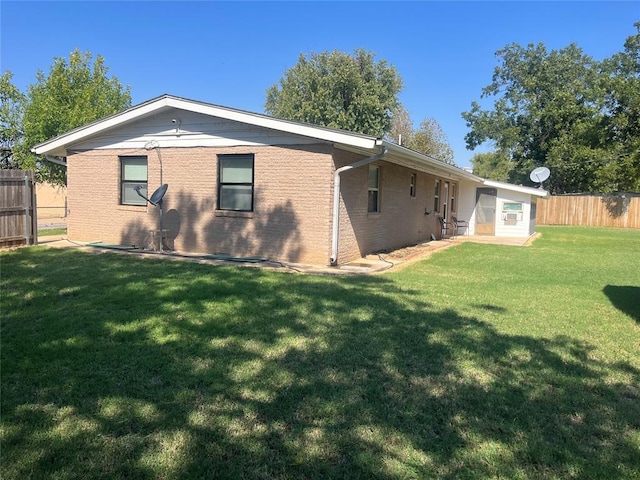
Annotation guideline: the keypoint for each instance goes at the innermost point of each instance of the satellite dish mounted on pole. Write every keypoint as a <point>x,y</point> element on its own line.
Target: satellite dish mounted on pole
<point>155,200</point>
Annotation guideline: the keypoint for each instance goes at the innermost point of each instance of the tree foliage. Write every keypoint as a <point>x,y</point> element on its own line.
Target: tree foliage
<point>621,74</point>
<point>431,140</point>
<point>401,128</point>
<point>564,110</point>
<point>338,90</point>
<point>428,138</point>
<point>491,165</point>
<point>11,111</point>
<point>76,91</point>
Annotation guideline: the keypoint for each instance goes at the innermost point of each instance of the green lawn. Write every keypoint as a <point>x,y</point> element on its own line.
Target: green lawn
<point>52,231</point>
<point>481,362</point>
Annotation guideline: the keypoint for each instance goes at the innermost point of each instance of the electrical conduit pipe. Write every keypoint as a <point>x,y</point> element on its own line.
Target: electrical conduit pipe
<point>336,200</point>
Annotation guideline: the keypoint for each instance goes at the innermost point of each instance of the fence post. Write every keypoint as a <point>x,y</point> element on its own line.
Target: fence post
<point>26,209</point>
<point>34,206</point>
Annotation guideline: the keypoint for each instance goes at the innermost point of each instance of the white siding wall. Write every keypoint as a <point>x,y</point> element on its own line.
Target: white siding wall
<point>192,130</point>
<point>522,227</point>
<point>467,203</point>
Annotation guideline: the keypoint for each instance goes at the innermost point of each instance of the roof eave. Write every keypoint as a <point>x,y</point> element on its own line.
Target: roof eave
<point>538,192</point>
<point>431,163</point>
<point>58,145</point>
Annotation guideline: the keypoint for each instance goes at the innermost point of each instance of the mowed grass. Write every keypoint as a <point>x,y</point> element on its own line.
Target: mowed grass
<point>48,232</point>
<point>481,362</point>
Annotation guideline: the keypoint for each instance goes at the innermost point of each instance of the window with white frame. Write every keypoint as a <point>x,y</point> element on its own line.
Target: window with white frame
<point>235,182</point>
<point>374,189</point>
<point>412,187</point>
<point>133,173</point>
<point>436,197</point>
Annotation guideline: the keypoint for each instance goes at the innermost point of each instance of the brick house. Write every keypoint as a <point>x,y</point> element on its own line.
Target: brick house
<point>246,184</point>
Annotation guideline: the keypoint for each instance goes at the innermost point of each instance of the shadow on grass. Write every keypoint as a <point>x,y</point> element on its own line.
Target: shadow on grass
<point>116,367</point>
<point>625,298</point>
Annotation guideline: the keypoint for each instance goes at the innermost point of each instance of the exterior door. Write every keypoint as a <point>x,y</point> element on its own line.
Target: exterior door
<point>486,211</point>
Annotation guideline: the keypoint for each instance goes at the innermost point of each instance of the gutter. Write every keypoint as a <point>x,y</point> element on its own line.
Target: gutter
<point>336,200</point>
<point>51,159</point>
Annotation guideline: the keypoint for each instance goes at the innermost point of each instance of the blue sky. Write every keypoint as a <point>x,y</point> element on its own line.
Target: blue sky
<point>229,53</point>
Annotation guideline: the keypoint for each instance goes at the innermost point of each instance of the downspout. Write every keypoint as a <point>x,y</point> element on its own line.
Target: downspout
<point>51,159</point>
<point>336,200</point>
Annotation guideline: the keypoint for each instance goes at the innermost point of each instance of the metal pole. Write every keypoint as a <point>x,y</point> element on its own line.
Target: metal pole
<point>34,209</point>
<point>26,209</point>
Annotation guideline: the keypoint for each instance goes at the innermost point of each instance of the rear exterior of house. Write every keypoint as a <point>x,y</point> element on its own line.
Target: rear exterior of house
<point>289,218</point>
<point>249,185</point>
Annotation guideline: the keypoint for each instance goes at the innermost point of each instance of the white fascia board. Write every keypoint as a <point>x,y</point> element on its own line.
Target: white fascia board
<point>538,192</point>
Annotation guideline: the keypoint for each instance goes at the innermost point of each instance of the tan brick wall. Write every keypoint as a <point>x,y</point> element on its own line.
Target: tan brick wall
<point>401,220</point>
<point>292,204</point>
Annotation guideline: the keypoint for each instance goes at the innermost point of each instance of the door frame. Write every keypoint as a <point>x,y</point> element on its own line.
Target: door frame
<point>487,228</point>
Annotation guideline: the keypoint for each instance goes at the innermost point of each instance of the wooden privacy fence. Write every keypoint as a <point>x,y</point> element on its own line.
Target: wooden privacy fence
<point>18,222</point>
<point>622,210</point>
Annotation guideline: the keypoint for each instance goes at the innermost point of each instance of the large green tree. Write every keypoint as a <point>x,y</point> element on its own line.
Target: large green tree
<point>76,91</point>
<point>491,165</point>
<point>338,90</point>
<point>621,86</point>
<point>11,111</point>
<point>428,138</point>
<point>559,109</point>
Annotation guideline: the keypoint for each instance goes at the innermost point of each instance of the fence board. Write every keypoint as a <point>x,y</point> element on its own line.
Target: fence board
<point>18,222</point>
<point>590,210</point>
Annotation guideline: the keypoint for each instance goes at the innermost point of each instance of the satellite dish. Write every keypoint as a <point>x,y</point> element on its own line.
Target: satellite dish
<point>156,197</point>
<point>539,175</point>
<point>156,200</point>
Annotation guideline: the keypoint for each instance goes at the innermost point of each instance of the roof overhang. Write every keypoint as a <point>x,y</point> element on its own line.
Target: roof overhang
<point>58,146</point>
<point>408,158</point>
<point>538,192</point>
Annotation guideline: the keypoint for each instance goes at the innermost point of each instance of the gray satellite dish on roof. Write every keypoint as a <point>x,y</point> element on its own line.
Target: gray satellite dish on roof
<point>539,175</point>
<point>155,200</point>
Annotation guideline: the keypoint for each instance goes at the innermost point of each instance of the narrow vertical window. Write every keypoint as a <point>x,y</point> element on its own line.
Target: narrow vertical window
<point>453,197</point>
<point>374,189</point>
<point>436,197</point>
<point>133,173</point>
<point>445,200</point>
<point>412,188</point>
<point>235,182</point>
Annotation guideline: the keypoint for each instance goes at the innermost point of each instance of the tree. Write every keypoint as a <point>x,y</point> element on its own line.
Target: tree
<point>75,92</point>
<point>566,111</point>
<point>338,90</point>
<point>621,78</point>
<point>431,140</point>
<point>491,165</point>
<point>547,112</point>
<point>401,129</point>
<point>11,112</point>
<point>428,139</point>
